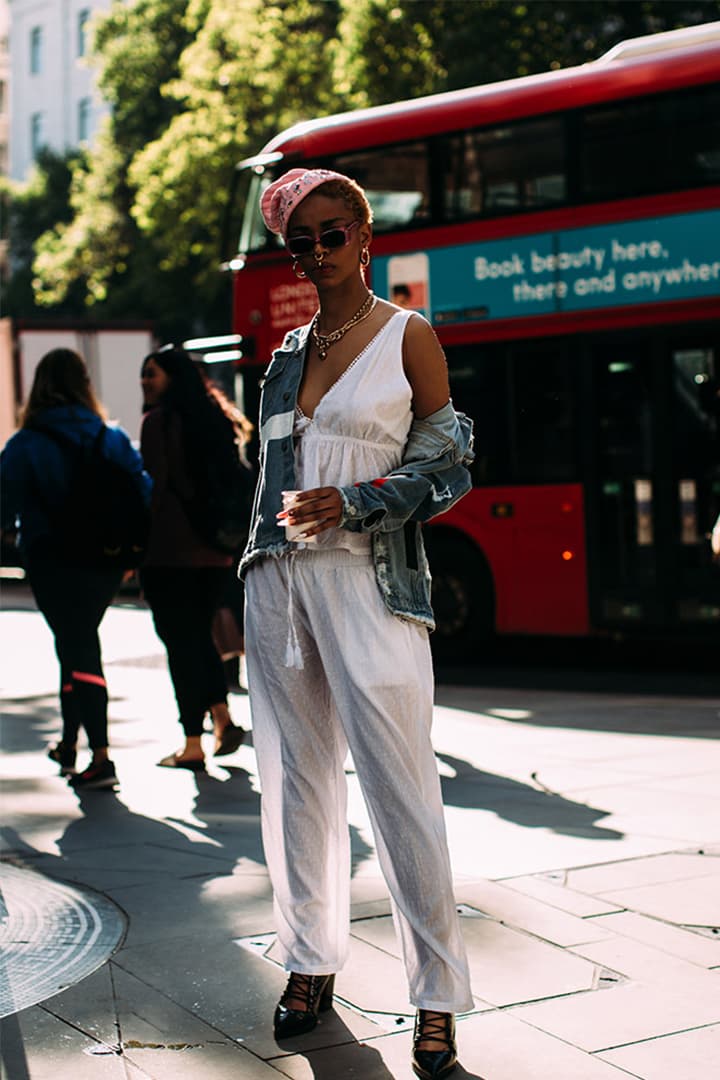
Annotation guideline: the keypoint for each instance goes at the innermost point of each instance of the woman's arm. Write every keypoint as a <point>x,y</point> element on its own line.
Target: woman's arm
<point>425,367</point>
<point>13,481</point>
<point>431,478</point>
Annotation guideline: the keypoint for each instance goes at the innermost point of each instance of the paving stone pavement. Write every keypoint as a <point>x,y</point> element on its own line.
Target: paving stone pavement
<point>137,929</point>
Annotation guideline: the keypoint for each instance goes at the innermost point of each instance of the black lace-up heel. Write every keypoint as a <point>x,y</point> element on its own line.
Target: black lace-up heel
<point>434,1027</point>
<point>316,991</point>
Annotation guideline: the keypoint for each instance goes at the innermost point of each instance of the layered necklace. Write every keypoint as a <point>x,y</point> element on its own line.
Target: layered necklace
<point>324,341</point>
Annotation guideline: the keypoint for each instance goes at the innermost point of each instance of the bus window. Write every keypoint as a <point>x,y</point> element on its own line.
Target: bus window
<point>696,438</point>
<point>653,144</point>
<point>478,382</point>
<point>624,413</point>
<point>254,236</point>
<point>623,495</point>
<point>518,167</point>
<point>396,182</point>
<point>524,404</point>
<point>544,414</point>
<point>695,147</point>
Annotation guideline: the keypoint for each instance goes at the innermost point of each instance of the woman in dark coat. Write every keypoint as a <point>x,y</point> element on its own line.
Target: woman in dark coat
<point>185,577</point>
<point>62,417</point>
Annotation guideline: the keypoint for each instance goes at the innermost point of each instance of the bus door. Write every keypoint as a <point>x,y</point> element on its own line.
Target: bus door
<point>690,462</point>
<point>653,480</point>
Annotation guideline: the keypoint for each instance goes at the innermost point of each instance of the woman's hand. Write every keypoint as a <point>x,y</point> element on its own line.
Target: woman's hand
<point>319,508</point>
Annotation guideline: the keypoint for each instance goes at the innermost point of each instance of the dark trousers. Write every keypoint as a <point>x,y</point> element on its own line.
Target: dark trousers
<point>73,600</point>
<point>183,601</point>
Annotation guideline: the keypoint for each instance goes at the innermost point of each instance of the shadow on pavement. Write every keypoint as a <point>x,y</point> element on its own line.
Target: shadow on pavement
<point>531,807</point>
<point>350,1058</point>
<point>111,837</point>
<point>224,824</point>
<point>12,1050</point>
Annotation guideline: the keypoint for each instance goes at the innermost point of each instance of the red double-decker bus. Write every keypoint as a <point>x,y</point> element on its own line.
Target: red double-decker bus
<point>562,234</point>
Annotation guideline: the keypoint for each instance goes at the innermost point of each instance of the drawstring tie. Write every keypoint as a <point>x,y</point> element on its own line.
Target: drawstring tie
<point>293,653</point>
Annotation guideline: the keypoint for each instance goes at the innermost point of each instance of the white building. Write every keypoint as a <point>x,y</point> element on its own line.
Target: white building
<point>53,100</point>
<point>4,131</point>
<point>4,87</point>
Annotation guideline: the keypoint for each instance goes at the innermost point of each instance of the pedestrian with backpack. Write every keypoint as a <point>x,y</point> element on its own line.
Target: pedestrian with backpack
<point>192,443</point>
<point>77,490</point>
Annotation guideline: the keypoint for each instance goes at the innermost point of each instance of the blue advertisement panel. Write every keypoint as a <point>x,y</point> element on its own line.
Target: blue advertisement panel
<point>602,266</point>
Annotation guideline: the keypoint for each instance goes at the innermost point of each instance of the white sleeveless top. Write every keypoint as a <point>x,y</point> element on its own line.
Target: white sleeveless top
<point>360,426</point>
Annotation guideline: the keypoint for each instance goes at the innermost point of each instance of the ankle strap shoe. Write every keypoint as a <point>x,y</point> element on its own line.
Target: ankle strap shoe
<point>316,993</point>
<point>434,1027</point>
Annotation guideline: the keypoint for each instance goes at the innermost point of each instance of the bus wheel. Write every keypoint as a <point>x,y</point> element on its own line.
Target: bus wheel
<point>462,599</point>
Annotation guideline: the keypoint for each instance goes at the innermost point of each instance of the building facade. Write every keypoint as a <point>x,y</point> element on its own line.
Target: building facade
<point>4,133</point>
<point>4,87</point>
<point>53,99</point>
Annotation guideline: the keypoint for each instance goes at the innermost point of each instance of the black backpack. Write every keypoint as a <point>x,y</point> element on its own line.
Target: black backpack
<point>103,520</point>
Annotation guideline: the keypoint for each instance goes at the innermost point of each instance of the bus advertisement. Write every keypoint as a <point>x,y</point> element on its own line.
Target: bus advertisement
<point>561,232</point>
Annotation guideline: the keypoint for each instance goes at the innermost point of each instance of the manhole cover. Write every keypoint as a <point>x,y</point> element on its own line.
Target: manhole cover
<point>51,936</point>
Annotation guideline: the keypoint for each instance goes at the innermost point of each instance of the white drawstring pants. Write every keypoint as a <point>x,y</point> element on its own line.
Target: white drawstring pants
<point>366,682</point>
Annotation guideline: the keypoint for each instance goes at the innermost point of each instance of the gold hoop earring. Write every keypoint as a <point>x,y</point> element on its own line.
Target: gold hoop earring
<point>297,271</point>
<point>365,257</point>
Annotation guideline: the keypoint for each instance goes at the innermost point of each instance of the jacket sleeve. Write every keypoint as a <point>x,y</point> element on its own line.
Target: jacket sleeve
<point>431,478</point>
<point>13,482</point>
<point>122,451</point>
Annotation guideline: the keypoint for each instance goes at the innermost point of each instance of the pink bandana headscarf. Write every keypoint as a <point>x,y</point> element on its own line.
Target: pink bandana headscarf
<point>288,191</point>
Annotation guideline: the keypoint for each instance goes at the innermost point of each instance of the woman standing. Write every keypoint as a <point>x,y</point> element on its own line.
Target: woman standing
<point>185,432</point>
<point>355,415</point>
<point>63,419</point>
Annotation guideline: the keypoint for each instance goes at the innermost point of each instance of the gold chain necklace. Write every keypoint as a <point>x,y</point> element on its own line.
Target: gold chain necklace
<point>324,341</point>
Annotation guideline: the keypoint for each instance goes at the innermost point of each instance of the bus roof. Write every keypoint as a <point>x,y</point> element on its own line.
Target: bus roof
<point>657,62</point>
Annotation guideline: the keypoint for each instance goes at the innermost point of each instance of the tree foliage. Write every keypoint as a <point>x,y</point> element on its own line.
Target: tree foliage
<point>243,76</point>
<point>32,209</point>
<point>196,85</point>
<point>468,42</point>
<point>100,246</point>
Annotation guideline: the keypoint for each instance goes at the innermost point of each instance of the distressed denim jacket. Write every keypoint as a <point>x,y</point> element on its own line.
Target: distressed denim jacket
<point>431,478</point>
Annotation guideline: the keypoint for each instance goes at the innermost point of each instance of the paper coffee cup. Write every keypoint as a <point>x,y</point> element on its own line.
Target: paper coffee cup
<point>293,532</point>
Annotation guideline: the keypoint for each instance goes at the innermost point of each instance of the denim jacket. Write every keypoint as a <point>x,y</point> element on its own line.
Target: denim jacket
<point>431,478</point>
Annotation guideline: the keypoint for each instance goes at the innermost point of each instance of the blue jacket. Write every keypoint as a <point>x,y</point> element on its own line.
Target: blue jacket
<point>432,477</point>
<point>35,470</point>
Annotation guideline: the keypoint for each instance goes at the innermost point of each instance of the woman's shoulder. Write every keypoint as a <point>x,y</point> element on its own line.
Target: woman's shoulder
<point>116,430</point>
<point>17,446</point>
<point>64,425</point>
<point>157,423</point>
<point>33,438</point>
<point>412,314</point>
<point>118,440</point>
<point>153,418</point>
<point>294,339</point>
<point>413,323</point>
<point>19,437</point>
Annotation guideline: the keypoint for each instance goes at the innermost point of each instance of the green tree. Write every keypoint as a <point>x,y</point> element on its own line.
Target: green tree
<point>31,209</point>
<point>389,50</point>
<point>502,39</point>
<point>461,43</point>
<point>149,203</point>
<point>252,68</point>
<point>98,245</point>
